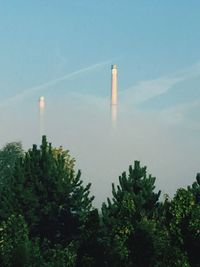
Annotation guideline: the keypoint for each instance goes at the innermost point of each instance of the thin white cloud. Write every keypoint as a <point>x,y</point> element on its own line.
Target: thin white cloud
<point>46,85</point>
<point>146,90</point>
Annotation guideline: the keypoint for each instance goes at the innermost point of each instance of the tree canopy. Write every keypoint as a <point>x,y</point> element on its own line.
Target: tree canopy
<point>47,216</point>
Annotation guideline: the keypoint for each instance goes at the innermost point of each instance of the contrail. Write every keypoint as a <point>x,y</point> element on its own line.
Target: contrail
<point>34,89</point>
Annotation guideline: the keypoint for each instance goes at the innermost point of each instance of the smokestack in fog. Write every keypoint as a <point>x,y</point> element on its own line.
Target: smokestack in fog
<point>41,110</point>
<point>114,93</point>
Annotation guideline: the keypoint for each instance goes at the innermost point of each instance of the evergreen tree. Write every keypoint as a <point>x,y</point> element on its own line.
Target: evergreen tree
<point>183,222</point>
<point>90,253</point>
<point>9,155</point>
<point>14,242</point>
<point>129,219</point>
<point>49,194</point>
<point>47,218</point>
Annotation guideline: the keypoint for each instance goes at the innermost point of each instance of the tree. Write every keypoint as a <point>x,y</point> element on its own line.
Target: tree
<point>183,222</point>
<point>51,197</point>
<point>14,242</point>
<point>47,218</point>
<point>9,155</point>
<point>129,219</point>
<point>90,252</point>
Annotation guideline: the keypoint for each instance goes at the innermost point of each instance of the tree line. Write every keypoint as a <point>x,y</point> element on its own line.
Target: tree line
<point>47,217</point>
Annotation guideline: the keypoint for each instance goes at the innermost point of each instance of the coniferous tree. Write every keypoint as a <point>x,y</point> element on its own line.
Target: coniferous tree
<point>129,219</point>
<point>9,155</point>
<point>14,242</point>
<point>47,218</point>
<point>50,196</point>
<point>183,222</point>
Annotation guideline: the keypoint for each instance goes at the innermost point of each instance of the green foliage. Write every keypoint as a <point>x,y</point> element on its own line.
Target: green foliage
<point>56,256</point>
<point>90,252</point>
<point>9,154</point>
<point>14,242</point>
<point>195,189</point>
<point>55,204</point>
<point>47,218</point>
<point>128,217</point>
<point>184,223</point>
<point>65,257</point>
<point>51,197</point>
<point>60,256</point>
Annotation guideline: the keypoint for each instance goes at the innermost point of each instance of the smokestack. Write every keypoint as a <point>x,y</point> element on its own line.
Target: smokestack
<point>41,110</point>
<point>114,93</point>
<point>114,85</point>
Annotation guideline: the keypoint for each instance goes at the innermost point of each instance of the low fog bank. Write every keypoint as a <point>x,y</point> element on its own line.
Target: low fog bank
<point>102,151</point>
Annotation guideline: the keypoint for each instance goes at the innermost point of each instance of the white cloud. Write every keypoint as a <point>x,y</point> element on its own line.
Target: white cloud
<point>146,90</point>
<point>46,85</point>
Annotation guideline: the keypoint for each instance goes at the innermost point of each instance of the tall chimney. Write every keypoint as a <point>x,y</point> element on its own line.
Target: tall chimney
<point>41,110</point>
<point>114,85</point>
<point>114,93</point>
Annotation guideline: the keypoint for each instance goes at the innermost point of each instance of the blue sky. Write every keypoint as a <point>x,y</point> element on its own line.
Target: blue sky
<point>41,40</point>
<point>63,50</point>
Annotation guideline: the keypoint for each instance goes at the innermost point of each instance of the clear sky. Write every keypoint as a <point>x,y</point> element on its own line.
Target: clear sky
<point>63,50</point>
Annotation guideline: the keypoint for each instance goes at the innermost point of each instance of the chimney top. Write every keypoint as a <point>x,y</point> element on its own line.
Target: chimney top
<point>114,66</point>
<point>41,98</point>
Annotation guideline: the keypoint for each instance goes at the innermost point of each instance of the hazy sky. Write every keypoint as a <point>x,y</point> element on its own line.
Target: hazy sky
<point>63,50</point>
